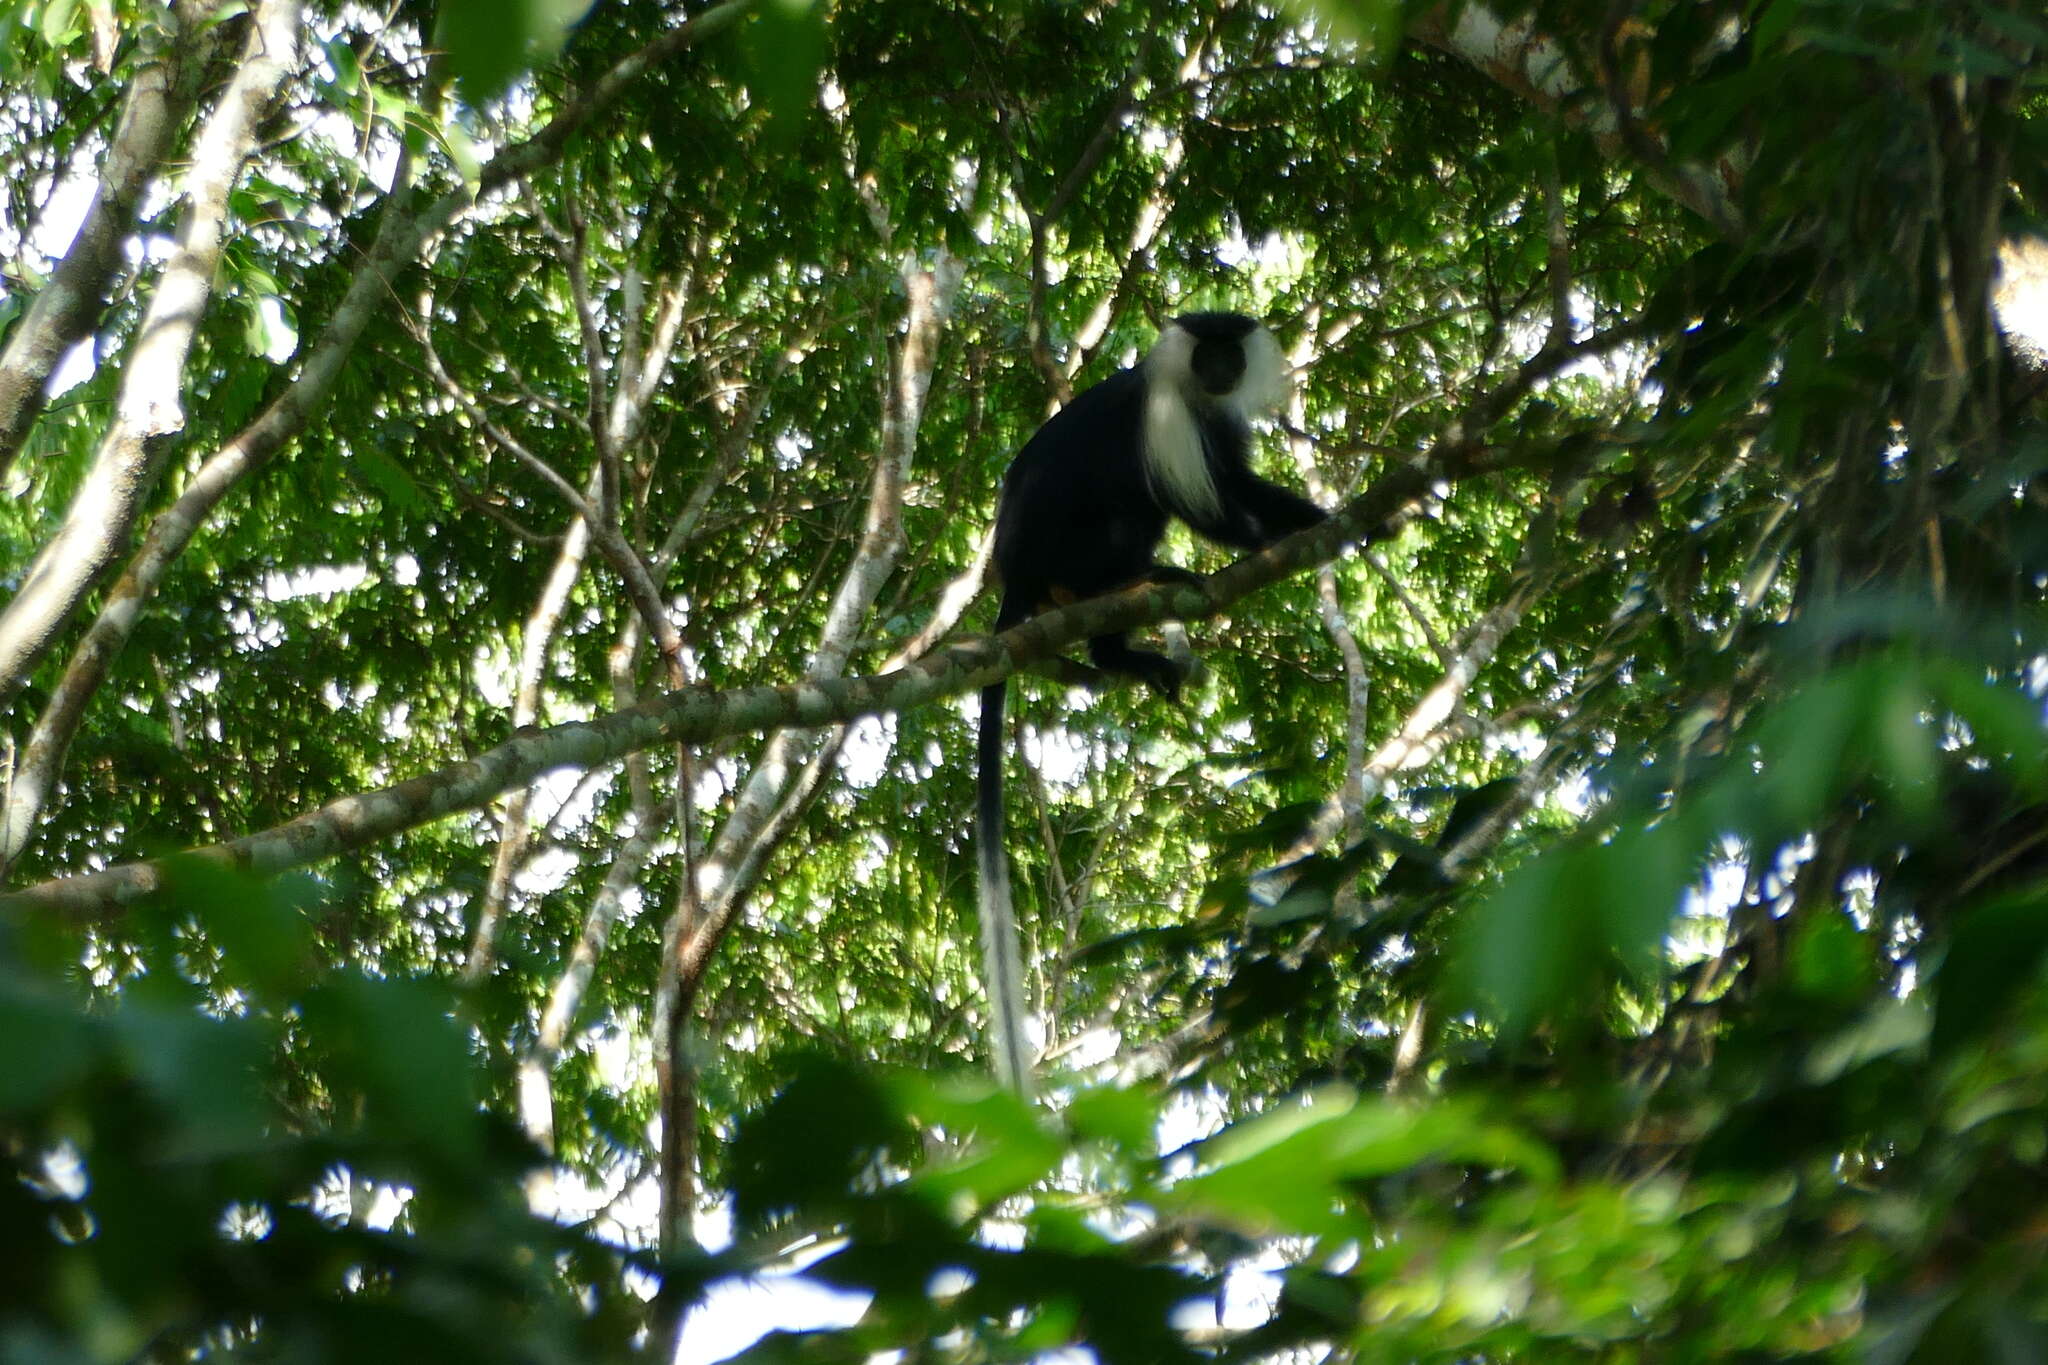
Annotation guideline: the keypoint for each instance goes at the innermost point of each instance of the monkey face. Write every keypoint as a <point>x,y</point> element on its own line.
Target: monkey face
<point>1226,358</point>
<point>1217,364</point>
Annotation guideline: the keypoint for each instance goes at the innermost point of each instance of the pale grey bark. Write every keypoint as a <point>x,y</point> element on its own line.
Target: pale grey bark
<point>1432,724</point>
<point>398,241</point>
<point>1533,64</point>
<point>149,406</point>
<point>1137,252</point>
<point>407,226</point>
<point>161,92</point>
<point>536,642</point>
<point>695,716</point>
<point>645,356</point>
<point>791,765</point>
<point>620,391</point>
<point>1329,604</point>
<point>535,1094</point>
<point>953,601</point>
<point>719,876</point>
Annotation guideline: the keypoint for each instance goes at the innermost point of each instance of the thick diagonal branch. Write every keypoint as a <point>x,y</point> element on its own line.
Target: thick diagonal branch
<point>695,715</point>
<point>160,97</point>
<point>408,224</point>
<point>698,715</point>
<point>150,406</point>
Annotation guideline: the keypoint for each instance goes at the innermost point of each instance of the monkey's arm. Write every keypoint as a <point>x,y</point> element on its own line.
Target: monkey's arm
<point>1257,513</point>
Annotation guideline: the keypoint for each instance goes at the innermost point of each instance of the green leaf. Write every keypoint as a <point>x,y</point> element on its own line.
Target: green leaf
<point>1374,25</point>
<point>390,479</point>
<point>1291,1170</point>
<point>1518,952</point>
<point>1888,1027</point>
<point>58,25</point>
<point>1995,953</point>
<point>785,47</point>
<point>808,1148</point>
<point>1011,1151</point>
<point>1127,1120</point>
<point>207,1073</point>
<point>1905,742</point>
<point>2004,721</point>
<point>491,43</point>
<point>50,1045</point>
<point>396,1043</point>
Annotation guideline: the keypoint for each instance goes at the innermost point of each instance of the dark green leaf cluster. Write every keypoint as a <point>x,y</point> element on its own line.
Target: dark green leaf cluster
<point>256,1159</point>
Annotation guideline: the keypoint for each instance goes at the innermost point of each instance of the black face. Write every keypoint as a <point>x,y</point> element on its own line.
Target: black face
<point>1218,360</point>
<point>1217,364</point>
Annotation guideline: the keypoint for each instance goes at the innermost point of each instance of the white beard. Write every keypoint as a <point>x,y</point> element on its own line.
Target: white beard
<point>1176,464</point>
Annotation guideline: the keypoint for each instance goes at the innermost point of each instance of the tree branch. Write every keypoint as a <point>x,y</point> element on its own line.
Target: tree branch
<point>693,715</point>
<point>407,225</point>
<point>150,408</point>
<point>161,93</point>
<point>696,715</point>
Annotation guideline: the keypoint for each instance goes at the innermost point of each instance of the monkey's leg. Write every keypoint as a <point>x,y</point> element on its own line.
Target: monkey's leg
<point>1113,654</point>
<point>1168,573</point>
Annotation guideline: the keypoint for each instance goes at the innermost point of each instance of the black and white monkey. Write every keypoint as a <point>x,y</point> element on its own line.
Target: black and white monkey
<point>1083,510</point>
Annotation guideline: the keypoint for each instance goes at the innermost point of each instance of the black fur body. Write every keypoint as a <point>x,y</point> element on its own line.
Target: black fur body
<point>1083,510</point>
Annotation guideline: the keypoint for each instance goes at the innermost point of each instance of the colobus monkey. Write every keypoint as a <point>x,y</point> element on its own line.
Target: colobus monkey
<point>1082,513</point>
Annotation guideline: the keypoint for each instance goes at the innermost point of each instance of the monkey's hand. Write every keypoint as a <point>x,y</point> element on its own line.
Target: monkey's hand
<point>1161,674</point>
<point>1168,573</point>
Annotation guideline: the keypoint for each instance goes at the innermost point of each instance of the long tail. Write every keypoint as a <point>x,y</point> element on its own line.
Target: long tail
<point>1002,966</point>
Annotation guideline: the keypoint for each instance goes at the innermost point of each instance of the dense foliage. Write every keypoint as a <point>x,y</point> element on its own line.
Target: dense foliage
<point>497,498</point>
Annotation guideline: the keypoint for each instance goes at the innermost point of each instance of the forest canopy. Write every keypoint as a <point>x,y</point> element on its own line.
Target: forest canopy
<point>494,572</point>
